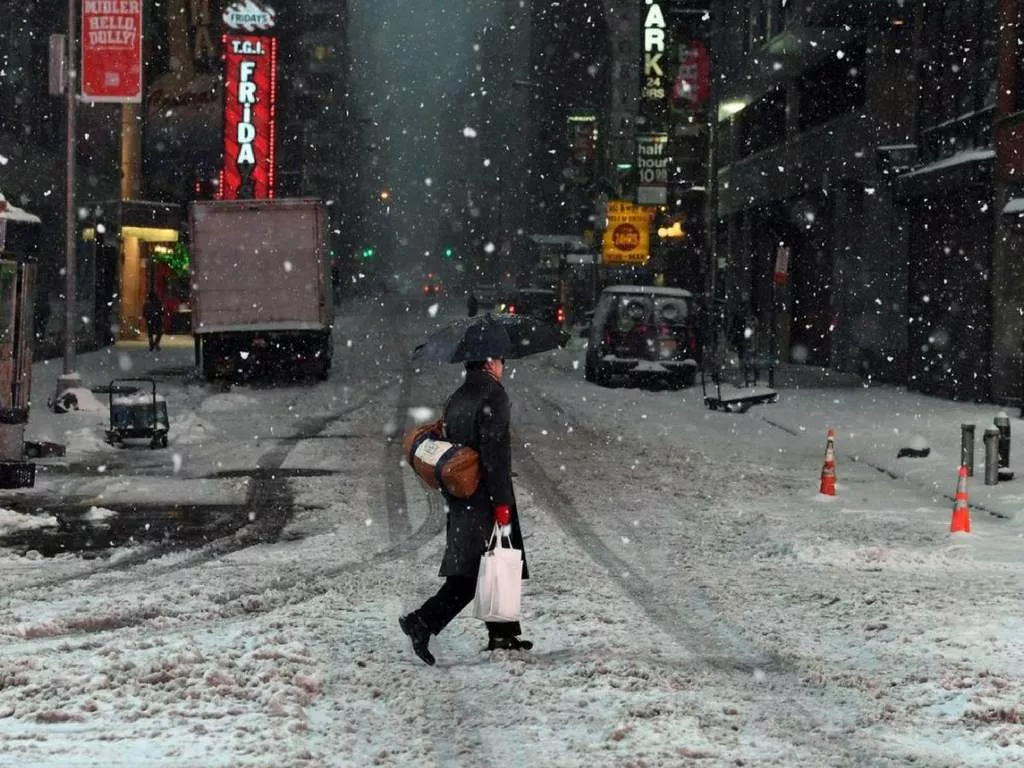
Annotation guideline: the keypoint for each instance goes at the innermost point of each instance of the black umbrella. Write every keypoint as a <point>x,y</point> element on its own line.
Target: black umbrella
<point>490,336</point>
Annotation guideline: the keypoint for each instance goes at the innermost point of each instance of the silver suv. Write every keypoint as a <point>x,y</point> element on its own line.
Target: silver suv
<point>645,333</point>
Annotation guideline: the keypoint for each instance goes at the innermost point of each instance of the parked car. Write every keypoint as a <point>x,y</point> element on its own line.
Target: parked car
<point>542,303</point>
<point>482,298</point>
<point>645,333</point>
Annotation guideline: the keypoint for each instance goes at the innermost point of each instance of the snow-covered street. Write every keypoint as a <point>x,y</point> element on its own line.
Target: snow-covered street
<point>693,599</point>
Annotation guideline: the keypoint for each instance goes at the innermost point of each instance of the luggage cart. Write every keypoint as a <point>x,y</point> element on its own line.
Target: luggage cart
<point>723,394</point>
<point>137,414</point>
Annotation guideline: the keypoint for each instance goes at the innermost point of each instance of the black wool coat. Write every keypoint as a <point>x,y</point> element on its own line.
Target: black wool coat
<point>478,415</point>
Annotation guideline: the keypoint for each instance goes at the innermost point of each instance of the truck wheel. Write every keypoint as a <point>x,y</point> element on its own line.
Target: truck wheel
<point>323,367</point>
<point>209,364</point>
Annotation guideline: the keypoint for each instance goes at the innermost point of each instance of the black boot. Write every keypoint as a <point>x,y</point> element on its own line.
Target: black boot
<point>413,626</point>
<point>508,644</point>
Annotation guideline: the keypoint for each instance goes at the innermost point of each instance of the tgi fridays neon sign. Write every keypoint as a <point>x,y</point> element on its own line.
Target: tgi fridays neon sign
<point>250,94</point>
<point>653,86</point>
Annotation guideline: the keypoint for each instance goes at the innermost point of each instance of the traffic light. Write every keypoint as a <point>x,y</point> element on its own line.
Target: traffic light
<point>368,252</point>
<point>449,252</point>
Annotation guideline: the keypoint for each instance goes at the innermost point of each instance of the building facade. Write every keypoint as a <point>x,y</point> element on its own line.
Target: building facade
<point>811,100</point>
<point>880,147</point>
<point>139,165</point>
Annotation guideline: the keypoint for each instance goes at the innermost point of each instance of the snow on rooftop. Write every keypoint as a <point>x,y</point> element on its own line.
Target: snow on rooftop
<point>958,158</point>
<point>1014,205</point>
<point>9,212</point>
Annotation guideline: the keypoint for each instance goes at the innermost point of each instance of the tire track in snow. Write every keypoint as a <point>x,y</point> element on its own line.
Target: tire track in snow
<point>688,617</point>
<point>269,491</point>
<point>298,589</point>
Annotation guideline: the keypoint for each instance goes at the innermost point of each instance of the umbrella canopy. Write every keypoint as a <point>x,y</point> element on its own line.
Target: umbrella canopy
<point>490,336</point>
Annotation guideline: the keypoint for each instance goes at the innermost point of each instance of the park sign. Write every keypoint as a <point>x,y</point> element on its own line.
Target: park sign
<point>112,51</point>
<point>652,167</point>
<point>627,236</point>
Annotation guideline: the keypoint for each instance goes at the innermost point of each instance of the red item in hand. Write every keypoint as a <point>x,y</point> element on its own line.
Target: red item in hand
<point>502,515</point>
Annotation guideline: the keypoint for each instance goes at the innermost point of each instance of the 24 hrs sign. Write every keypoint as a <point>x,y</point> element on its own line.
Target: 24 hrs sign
<point>653,89</point>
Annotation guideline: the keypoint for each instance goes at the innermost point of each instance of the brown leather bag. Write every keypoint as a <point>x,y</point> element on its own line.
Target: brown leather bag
<point>440,463</point>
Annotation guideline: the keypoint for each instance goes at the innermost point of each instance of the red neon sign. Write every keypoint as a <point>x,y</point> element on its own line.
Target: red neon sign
<point>112,50</point>
<point>250,112</point>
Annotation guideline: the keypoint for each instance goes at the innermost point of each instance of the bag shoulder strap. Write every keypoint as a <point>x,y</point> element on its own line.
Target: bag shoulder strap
<point>497,541</point>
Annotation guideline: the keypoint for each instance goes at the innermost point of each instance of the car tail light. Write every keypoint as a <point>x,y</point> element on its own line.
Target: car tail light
<point>426,289</point>
<point>511,309</point>
<point>560,316</point>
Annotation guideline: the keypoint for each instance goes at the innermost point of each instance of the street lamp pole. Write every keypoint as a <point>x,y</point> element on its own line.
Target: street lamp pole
<point>70,267</point>
<point>711,213</point>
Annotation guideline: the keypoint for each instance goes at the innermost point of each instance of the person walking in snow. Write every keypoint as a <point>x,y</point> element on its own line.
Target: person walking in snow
<point>153,313</point>
<point>477,415</point>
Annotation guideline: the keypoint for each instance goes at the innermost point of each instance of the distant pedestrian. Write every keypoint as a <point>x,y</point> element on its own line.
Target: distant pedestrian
<point>477,415</point>
<point>153,313</point>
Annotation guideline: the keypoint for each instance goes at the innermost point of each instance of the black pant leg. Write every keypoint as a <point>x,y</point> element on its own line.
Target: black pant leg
<point>504,629</point>
<point>455,594</point>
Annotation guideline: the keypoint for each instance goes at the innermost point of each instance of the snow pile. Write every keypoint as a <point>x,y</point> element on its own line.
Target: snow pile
<point>138,398</point>
<point>84,400</point>
<point>190,429</point>
<point>98,515</point>
<point>11,522</point>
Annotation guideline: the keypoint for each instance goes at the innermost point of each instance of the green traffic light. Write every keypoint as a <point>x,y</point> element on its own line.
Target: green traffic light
<point>449,252</point>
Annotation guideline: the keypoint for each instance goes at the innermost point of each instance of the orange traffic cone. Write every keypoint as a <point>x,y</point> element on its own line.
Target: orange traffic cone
<point>961,522</point>
<point>828,469</point>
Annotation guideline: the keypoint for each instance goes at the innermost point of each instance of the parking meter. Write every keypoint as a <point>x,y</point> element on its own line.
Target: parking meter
<point>17,291</point>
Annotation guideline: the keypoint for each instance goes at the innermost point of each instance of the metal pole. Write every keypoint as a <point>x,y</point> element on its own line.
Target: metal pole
<point>711,196</point>
<point>70,266</point>
<point>967,448</point>
<point>991,439</point>
<point>1002,422</point>
<point>773,343</point>
<point>711,213</point>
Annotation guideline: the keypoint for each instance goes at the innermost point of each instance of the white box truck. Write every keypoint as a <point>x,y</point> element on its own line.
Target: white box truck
<point>261,287</point>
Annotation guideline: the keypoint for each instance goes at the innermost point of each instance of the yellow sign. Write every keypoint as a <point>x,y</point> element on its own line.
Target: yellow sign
<point>627,238</point>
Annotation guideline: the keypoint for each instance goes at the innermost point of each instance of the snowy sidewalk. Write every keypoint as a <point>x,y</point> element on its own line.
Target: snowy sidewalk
<point>872,423</point>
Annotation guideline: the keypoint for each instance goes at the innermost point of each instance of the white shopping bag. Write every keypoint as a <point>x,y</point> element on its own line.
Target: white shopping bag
<point>499,584</point>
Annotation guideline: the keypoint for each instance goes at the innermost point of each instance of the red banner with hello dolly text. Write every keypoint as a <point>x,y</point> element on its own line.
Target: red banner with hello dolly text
<point>112,50</point>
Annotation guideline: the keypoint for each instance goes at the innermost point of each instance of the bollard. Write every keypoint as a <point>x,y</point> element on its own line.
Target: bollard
<point>967,448</point>
<point>1002,422</point>
<point>991,439</point>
